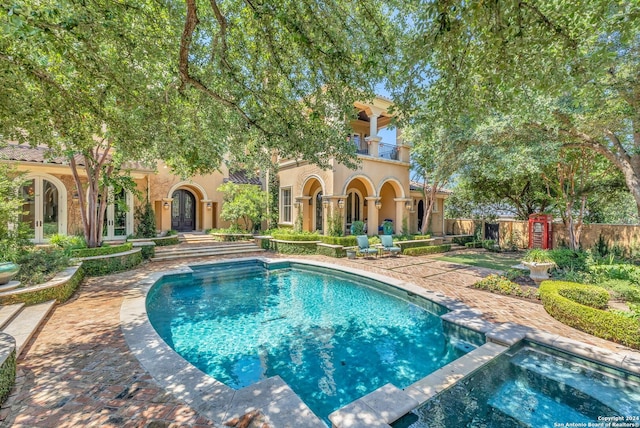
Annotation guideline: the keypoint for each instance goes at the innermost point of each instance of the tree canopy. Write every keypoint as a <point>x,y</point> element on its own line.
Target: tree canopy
<point>569,69</point>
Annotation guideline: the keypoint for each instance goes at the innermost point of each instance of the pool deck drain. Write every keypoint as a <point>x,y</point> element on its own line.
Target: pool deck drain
<point>76,371</point>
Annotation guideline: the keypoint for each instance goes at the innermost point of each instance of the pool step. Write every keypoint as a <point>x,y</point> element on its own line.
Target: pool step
<point>559,377</point>
<point>214,249</point>
<point>515,404</point>
<point>24,323</point>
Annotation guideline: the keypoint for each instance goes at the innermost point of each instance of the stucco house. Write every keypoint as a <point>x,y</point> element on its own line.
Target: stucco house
<point>378,190</point>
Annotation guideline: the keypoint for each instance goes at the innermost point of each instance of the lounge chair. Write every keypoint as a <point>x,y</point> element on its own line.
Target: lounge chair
<point>387,245</point>
<point>363,246</point>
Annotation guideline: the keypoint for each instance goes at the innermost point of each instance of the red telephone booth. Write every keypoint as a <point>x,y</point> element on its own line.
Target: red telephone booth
<point>540,232</point>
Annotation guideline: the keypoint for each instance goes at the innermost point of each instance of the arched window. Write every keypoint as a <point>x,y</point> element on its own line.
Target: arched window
<point>318,211</point>
<point>354,207</point>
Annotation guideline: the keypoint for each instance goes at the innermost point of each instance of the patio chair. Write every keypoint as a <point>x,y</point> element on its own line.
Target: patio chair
<point>387,245</point>
<point>363,246</point>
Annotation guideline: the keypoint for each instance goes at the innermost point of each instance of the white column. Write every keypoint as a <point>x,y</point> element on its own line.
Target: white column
<point>372,215</point>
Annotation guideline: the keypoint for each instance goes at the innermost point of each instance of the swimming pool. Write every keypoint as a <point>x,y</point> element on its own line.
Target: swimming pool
<point>333,337</point>
<point>534,386</point>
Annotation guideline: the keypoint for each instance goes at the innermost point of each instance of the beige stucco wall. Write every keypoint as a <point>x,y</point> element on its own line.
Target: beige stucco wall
<point>158,186</point>
<point>204,188</point>
<point>374,179</point>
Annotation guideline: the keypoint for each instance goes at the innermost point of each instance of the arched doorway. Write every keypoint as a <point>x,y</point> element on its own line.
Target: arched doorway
<point>183,211</point>
<point>44,207</point>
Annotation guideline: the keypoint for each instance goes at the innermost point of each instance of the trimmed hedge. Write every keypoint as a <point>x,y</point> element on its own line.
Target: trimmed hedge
<point>61,292</point>
<point>296,237</point>
<point>413,244</point>
<point>8,373</point>
<point>336,252</point>
<point>166,241</point>
<point>473,244</point>
<point>101,251</point>
<point>231,237</point>
<point>345,241</point>
<point>463,240</point>
<point>430,249</point>
<point>595,297</point>
<point>502,285</point>
<point>603,324</point>
<point>115,263</point>
<point>300,247</point>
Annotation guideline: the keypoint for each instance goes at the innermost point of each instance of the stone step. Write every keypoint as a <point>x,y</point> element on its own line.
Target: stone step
<point>7,313</point>
<point>26,322</point>
<point>209,253</point>
<point>202,248</point>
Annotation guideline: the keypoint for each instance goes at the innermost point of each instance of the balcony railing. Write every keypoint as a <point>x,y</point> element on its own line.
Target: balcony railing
<point>388,152</point>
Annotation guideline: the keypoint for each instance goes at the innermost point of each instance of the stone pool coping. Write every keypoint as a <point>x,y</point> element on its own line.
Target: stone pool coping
<point>278,402</point>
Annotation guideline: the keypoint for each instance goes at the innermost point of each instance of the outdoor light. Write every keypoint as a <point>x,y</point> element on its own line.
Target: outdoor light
<point>75,196</point>
<point>165,205</point>
<point>209,205</point>
<point>340,203</point>
<point>407,205</point>
<point>378,204</point>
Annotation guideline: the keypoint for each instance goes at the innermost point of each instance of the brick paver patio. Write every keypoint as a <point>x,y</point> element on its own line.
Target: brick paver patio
<point>78,371</point>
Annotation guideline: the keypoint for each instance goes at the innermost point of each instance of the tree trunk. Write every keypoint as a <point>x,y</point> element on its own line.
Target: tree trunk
<point>429,200</point>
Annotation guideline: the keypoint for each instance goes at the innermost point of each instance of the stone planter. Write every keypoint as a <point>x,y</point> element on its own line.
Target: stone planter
<point>7,271</point>
<point>539,271</point>
<point>351,254</point>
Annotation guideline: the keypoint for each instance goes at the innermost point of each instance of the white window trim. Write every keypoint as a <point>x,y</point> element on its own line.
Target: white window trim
<point>282,205</point>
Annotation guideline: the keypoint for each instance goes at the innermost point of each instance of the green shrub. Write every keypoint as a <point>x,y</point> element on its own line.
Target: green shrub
<point>296,236</point>
<point>538,255</point>
<point>595,297</point>
<point>299,247</point>
<point>567,259</point>
<point>8,375</point>
<point>148,251</point>
<point>146,221</point>
<point>502,285</point>
<point>357,228</point>
<point>429,249</point>
<point>626,272</point>
<point>473,244</point>
<point>415,244</point>
<point>68,242</point>
<point>61,292</point>
<point>38,265</point>
<point>164,242</point>
<point>622,289</point>
<point>463,240</point>
<point>330,251</point>
<point>115,263</point>
<point>600,323</point>
<point>101,251</point>
<point>345,241</point>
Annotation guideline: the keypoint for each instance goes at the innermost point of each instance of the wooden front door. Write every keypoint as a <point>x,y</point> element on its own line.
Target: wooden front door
<point>183,211</point>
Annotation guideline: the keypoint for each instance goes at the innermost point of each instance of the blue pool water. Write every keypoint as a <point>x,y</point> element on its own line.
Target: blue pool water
<point>332,338</point>
<point>534,386</point>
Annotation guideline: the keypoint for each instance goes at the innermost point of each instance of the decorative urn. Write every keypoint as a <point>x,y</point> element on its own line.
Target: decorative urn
<point>539,271</point>
<point>7,271</point>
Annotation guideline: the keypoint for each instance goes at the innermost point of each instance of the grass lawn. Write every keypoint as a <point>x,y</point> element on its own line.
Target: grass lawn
<point>485,259</point>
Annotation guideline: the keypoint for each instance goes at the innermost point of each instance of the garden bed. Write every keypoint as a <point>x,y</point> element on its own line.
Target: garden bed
<point>111,263</point>
<point>60,288</point>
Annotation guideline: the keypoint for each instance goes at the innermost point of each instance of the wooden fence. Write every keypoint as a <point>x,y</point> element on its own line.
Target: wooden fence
<point>516,233</point>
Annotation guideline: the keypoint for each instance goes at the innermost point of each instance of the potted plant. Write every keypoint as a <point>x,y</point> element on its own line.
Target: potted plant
<point>538,261</point>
